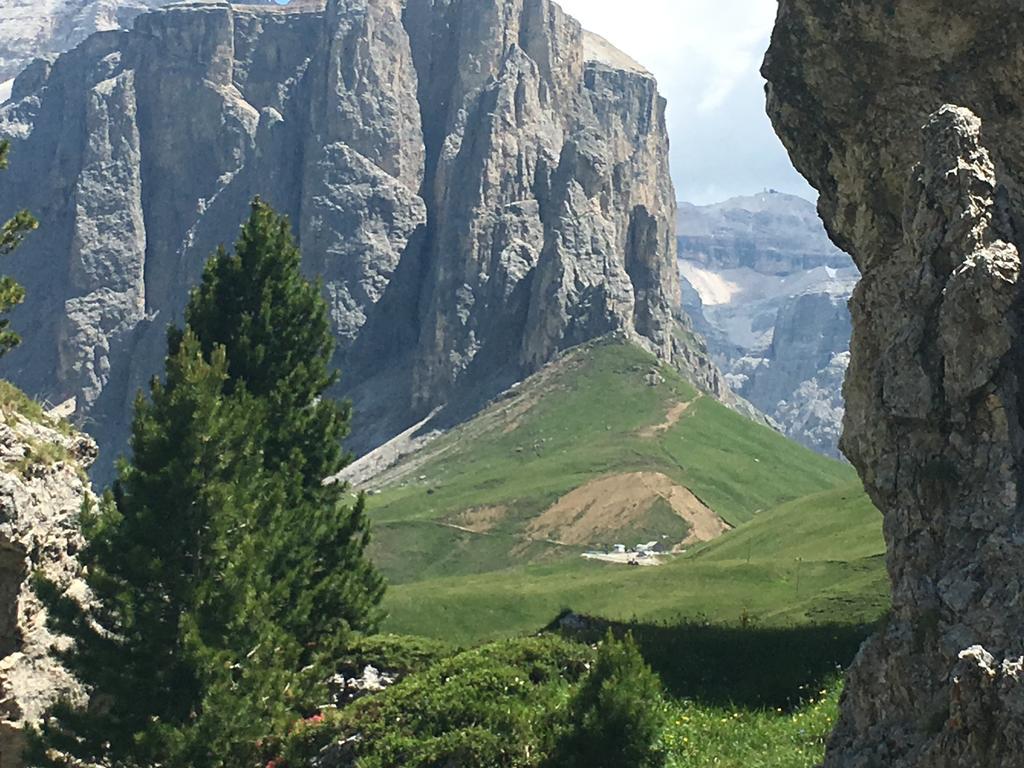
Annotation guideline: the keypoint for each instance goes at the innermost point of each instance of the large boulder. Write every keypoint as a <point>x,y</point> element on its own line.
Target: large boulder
<point>905,115</point>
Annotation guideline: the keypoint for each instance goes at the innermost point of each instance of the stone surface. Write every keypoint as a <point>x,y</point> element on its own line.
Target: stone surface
<point>934,400</point>
<point>42,489</point>
<point>33,28</point>
<point>768,290</point>
<point>480,185</point>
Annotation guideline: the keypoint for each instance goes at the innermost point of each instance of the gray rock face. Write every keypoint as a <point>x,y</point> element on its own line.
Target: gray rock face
<point>934,400</point>
<point>30,29</point>
<point>768,290</point>
<point>480,184</point>
<point>39,506</point>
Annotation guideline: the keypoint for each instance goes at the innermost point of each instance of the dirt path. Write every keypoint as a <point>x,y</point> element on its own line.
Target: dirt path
<point>673,417</point>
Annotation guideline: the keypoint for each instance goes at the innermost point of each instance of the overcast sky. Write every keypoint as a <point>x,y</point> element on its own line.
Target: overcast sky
<point>706,55</point>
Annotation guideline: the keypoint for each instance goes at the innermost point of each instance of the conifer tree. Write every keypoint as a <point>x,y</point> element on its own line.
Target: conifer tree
<point>618,714</point>
<point>11,292</point>
<point>155,543</point>
<point>273,324</point>
<point>228,575</point>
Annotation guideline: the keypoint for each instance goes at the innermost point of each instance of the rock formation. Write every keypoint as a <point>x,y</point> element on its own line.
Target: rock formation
<point>927,197</point>
<point>42,489</point>
<point>30,29</point>
<point>480,184</point>
<point>768,290</point>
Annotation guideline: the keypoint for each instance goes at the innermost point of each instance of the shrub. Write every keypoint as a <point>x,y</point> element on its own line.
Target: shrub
<point>618,715</point>
<point>500,706</point>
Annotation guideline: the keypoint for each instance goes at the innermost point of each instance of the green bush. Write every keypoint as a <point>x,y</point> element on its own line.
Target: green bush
<point>397,654</point>
<point>618,715</point>
<point>500,706</point>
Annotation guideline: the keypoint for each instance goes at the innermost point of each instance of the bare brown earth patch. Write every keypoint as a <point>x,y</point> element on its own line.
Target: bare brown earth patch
<point>481,519</point>
<point>673,417</point>
<point>610,503</point>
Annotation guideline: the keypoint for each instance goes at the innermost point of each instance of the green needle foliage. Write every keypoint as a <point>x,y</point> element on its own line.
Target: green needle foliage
<point>273,324</point>
<point>11,292</point>
<point>618,715</point>
<point>228,577</point>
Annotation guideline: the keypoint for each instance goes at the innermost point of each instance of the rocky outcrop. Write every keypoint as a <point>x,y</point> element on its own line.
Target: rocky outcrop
<point>934,395</point>
<point>480,184</point>
<point>42,490</point>
<point>31,29</point>
<point>768,291</point>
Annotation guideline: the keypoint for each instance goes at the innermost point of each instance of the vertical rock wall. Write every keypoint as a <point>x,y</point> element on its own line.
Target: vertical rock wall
<point>480,184</point>
<point>905,115</point>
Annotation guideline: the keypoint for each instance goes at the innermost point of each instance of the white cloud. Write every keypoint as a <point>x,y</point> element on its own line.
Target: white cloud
<point>706,55</point>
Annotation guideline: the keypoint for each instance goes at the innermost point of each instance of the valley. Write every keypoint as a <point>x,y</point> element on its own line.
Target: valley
<point>480,532</point>
<point>369,400</point>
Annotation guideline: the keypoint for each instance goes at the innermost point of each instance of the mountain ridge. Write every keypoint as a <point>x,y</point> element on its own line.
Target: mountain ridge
<point>768,289</point>
<point>145,145</point>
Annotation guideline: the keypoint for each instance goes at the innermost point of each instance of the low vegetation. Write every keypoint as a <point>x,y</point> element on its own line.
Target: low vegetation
<point>818,560</point>
<point>567,426</point>
<point>607,695</point>
<point>456,526</point>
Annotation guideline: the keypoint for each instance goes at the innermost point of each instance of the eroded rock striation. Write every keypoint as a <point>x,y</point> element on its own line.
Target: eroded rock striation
<point>42,489</point>
<point>906,117</point>
<point>31,29</point>
<point>480,184</point>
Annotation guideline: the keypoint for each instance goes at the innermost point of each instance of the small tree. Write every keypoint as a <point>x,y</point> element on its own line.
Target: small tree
<point>618,715</point>
<point>228,575</point>
<point>11,292</point>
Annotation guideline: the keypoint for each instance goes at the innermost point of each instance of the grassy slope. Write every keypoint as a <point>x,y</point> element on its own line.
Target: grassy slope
<point>816,560</point>
<point>580,419</point>
<point>807,548</point>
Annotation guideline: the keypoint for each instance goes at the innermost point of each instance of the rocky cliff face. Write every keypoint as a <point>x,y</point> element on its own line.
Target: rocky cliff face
<point>31,29</point>
<point>768,290</point>
<point>928,198</point>
<point>42,489</point>
<point>480,184</point>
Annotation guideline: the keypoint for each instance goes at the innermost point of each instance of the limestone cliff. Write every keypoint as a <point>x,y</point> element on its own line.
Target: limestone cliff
<point>480,184</point>
<point>928,199</point>
<point>42,489</point>
<point>768,290</point>
<point>31,29</point>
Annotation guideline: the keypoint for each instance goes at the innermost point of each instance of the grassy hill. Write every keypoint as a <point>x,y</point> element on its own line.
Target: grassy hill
<point>481,531</point>
<point>818,560</point>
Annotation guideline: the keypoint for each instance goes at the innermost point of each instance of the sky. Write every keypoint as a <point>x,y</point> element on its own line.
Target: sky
<point>706,55</point>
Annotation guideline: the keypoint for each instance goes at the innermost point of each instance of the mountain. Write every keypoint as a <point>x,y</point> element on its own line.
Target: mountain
<point>31,29</point>
<point>479,184</point>
<point>481,530</point>
<point>768,290</point>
